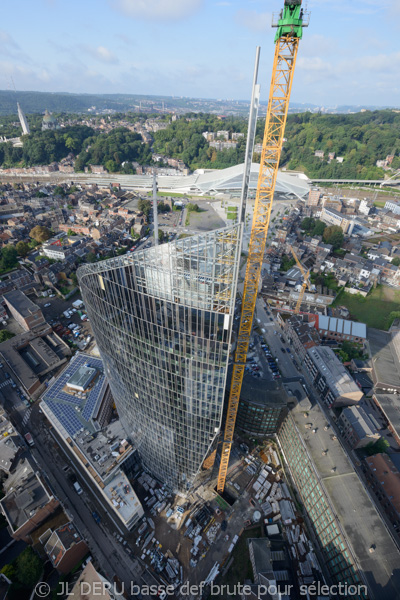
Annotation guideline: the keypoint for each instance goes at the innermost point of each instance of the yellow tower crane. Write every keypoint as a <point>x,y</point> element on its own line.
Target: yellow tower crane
<point>306,281</point>
<point>290,30</point>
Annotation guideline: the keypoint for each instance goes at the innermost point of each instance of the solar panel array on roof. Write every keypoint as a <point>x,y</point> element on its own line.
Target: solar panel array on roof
<point>342,326</point>
<point>74,410</point>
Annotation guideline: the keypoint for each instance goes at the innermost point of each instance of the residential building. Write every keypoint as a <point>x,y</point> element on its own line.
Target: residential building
<point>79,406</point>
<point>331,216</point>
<point>357,428</point>
<point>314,196</point>
<point>64,547</point>
<point>24,311</point>
<point>331,378</point>
<point>393,207</point>
<point>384,478</point>
<point>163,320</point>
<point>364,207</point>
<point>56,252</point>
<point>10,447</point>
<point>28,501</point>
<point>301,333</point>
<point>93,586</point>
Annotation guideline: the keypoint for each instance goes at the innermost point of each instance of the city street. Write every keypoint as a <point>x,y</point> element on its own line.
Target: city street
<point>107,551</point>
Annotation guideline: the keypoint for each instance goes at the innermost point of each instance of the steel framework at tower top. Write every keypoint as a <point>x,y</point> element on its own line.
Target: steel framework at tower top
<point>289,25</point>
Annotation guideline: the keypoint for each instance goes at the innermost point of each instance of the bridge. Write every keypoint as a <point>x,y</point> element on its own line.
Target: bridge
<point>375,182</point>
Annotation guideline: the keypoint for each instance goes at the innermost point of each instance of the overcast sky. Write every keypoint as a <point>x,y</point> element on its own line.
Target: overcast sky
<point>350,54</point>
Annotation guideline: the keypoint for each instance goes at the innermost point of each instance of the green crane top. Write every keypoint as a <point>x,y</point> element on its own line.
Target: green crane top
<point>290,20</point>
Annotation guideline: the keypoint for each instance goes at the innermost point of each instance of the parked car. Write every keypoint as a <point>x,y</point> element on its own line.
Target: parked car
<point>47,304</point>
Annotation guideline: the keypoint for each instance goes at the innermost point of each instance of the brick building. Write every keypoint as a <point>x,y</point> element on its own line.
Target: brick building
<point>384,478</point>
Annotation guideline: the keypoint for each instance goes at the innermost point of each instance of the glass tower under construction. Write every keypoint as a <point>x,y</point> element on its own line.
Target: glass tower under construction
<point>162,318</point>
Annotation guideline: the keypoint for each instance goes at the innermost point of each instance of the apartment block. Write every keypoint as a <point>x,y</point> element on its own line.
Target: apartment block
<point>24,311</point>
<point>331,378</point>
<point>357,428</point>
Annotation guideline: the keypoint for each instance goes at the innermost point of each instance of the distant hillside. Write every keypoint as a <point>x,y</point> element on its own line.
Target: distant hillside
<point>37,102</point>
<point>361,139</point>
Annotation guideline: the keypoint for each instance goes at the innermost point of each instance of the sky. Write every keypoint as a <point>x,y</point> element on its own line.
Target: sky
<point>350,53</point>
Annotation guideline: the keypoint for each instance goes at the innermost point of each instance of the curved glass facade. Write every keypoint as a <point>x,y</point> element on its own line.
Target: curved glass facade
<point>162,319</point>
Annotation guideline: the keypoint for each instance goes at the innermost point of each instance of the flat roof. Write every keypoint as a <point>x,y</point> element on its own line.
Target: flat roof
<point>356,513</point>
<point>21,303</point>
<point>385,360</point>
<point>25,497</point>
<point>121,495</point>
<point>71,409</point>
<point>32,354</point>
<point>390,405</point>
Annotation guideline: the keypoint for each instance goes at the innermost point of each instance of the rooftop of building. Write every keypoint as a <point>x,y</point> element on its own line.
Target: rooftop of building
<point>87,586</point>
<point>9,449</point>
<point>356,513</point>
<point>262,392</point>
<point>21,303</point>
<point>390,406</point>
<point>334,372</point>
<point>32,354</point>
<point>360,421</point>
<point>60,541</point>
<point>26,493</point>
<point>121,495</point>
<point>104,449</point>
<point>385,359</point>
<point>342,326</point>
<point>388,475</point>
<point>72,409</point>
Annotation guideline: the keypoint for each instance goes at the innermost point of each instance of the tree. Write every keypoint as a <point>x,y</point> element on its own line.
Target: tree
<point>91,257</point>
<point>378,447</point>
<point>144,206</point>
<point>70,233</point>
<point>162,207</point>
<point>9,571</point>
<point>334,235</point>
<point>8,258</point>
<point>59,191</point>
<point>307,224</point>
<point>161,235</point>
<point>396,261</point>
<point>318,228</point>
<point>40,234</point>
<point>22,248</point>
<point>29,567</point>
<point>193,207</point>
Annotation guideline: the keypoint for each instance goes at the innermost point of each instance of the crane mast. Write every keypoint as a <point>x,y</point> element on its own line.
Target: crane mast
<point>305,284</point>
<point>289,25</point>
